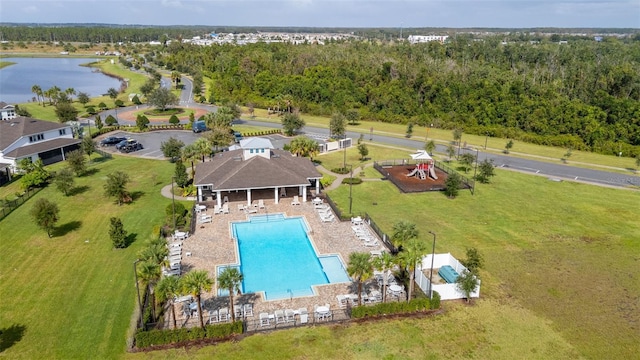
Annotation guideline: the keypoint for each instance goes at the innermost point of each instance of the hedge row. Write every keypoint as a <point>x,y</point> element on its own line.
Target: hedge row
<point>389,308</point>
<point>260,133</point>
<point>104,130</point>
<point>162,337</point>
<point>341,170</point>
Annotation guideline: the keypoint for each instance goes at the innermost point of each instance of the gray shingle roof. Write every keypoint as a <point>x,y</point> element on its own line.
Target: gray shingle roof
<point>228,171</point>
<point>41,147</point>
<point>12,130</point>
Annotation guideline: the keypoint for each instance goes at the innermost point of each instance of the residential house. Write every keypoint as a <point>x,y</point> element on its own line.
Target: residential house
<point>24,137</point>
<point>7,111</point>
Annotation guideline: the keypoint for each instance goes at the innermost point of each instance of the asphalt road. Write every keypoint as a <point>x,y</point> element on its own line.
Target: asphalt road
<point>551,170</point>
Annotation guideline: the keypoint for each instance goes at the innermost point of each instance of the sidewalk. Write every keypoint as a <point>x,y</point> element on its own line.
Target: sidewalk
<point>166,192</point>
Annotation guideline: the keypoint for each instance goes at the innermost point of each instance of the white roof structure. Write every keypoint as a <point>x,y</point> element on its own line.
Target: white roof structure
<point>256,143</point>
<point>421,155</point>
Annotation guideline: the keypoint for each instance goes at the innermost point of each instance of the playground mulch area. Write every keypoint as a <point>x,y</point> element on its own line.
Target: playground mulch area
<point>397,175</point>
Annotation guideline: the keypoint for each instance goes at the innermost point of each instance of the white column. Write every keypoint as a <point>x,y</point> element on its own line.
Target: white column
<point>199,194</point>
<point>248,197</point>
<point>219,198</point>
<point>300,190</point>
<point>61,151</point>
<point>317,187</point>
<point>276,195</point>
<point>304,194</point>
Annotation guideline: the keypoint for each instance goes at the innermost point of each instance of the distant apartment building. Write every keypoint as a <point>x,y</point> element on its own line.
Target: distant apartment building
<point>414,39</point>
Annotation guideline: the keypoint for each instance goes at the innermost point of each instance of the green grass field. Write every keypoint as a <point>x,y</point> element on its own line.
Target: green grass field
<point>558,282</point>
<point>73,294</point>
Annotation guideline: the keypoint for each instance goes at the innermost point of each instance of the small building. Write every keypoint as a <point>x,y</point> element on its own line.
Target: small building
<point>414,39</point>
<point>7,111</point>
<point>24,137</point>
<point>254,165</point>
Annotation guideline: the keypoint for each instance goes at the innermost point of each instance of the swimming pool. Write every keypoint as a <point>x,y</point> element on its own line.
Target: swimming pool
<point>277,258</point>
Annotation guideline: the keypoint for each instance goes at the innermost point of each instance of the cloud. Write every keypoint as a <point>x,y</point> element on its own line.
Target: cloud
<point>30,9</point>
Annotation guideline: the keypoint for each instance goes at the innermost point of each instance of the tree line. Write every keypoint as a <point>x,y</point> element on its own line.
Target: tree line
<point>582,95</point>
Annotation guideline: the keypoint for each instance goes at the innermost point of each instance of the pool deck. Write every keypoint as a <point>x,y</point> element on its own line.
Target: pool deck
<point>211,245</point>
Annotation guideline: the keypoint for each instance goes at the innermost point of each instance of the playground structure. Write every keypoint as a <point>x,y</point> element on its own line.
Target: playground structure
<point>426,166</point>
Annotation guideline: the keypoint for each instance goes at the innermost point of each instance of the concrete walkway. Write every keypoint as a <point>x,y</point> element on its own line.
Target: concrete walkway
<point>166,192</point>
<point>339,177</point>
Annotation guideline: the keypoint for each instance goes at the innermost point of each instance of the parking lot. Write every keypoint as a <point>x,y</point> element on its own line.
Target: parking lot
<point>151,141</point>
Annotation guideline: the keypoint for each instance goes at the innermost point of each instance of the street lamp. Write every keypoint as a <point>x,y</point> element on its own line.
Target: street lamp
<point>173,200</point>
<point>350,187</point>
<point>135,272</point>
<point>433,255</point>
<point>475,171</point>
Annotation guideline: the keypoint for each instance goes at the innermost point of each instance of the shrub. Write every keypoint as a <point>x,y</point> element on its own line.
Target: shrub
<point>174,120</point>
<point>352,181</point>
<point>162,337</point>
<point>110,121</point>
<point>342,170</point>
<point>326,181</point>
<point>181,213</point>
<point>415,305</point>
<point>435,300</point>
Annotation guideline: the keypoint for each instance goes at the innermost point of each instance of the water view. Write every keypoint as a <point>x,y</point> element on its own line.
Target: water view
<point>16,80</point>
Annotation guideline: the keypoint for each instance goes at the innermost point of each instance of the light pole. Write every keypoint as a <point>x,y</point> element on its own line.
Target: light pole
<point>350,187</point>
<point>135,272</point>
<point>475,171</point>
<point>486,137</point>
<point>344,158</point>
<point>433,255</point>
<point>173,201</point>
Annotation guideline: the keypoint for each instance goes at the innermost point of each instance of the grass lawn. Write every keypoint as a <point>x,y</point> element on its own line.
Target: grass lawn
<point>73,294</point>
<point>558,280</point>
<point>335,159</point>
<point>566,252</point>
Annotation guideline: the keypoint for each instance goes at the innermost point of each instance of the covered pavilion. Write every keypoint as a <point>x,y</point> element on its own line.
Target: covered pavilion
<point>255,165</point>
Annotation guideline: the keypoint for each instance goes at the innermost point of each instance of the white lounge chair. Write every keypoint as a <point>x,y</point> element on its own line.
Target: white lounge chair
<point>241,207</point>
<point>261,204</point>
<point>224,314</point>
<point>279,316</point>
<point>248,310</point>
<point>289,315</point>
<point>237,310</point>
<point>205,219</point>
<point>264,319</point>
<point>328,218</point>
<point>213,316</point>
<point>342,301</point>
<point>225,208</point>
<point>295,201</point>
<point>217,210</point>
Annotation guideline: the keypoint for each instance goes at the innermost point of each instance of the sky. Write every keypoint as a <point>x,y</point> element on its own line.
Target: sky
<point>331,13</point>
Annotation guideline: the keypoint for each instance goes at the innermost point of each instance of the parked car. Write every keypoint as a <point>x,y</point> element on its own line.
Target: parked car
<point>111,140</point>
<point>199,126</point>
<point>237,136</point>
<point>129,145</point>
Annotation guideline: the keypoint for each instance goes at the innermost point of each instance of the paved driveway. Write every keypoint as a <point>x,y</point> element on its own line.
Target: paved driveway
<point>151,141</point>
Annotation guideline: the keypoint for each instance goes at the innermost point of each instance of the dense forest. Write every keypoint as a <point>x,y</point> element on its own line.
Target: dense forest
<point>554,89</point>
<point>581,95</point>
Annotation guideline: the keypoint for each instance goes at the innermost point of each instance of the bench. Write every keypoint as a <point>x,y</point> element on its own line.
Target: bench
<point>448,274</point>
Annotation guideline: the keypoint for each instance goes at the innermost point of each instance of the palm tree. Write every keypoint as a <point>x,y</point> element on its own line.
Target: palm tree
<point>384,263</point>
<point>155,252</point>
<point>412,252</point>
<point>149,273</point>
<point>403,231</point>
<point>175,77</point>
<point>70,92</point>
<point>203,147</point>
<point>230,278</point>
<point>194,283</point>
<point>37,90</point>
<point>168,288</point>
<point>361,268</point>
<point>190,154</point>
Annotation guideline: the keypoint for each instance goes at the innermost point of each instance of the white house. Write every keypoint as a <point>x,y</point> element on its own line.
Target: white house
<point>24,137</point>
<point>447,290</point>
<point>7,111</point>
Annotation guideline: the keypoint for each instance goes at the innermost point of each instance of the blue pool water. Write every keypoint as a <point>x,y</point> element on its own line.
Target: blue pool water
<point>276,257</point>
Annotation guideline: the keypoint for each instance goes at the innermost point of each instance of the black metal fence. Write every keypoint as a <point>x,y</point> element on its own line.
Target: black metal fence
<point>386,239</point>
<point>7,206</point>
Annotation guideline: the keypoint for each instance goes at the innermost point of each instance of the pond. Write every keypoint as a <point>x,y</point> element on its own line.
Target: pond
<point>16,80</point>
